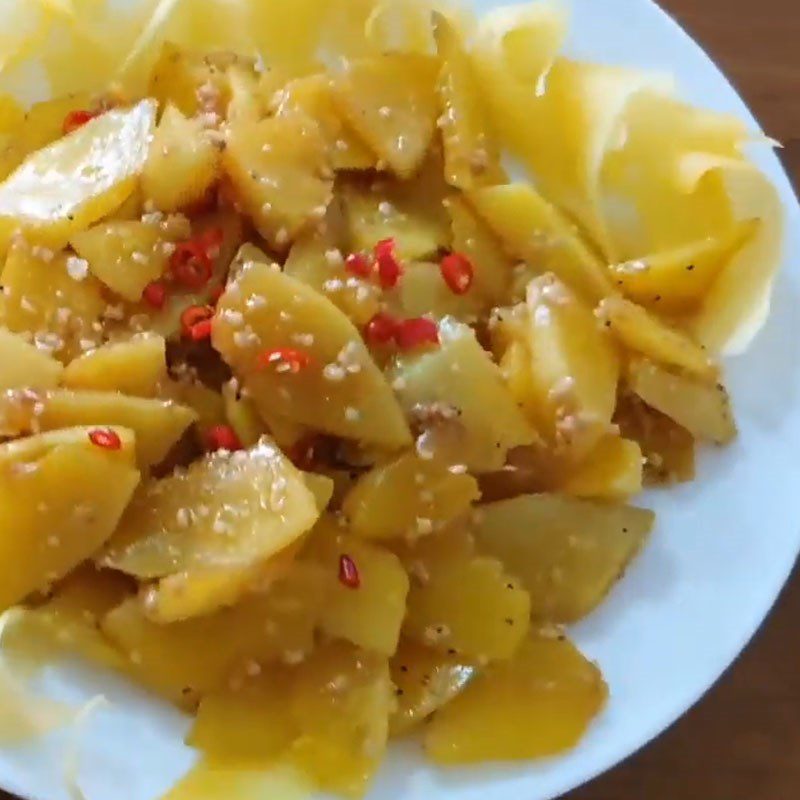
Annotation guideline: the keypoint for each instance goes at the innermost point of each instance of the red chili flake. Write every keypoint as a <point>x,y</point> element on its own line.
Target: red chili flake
<point>105,438</point>
<point>389,268</point>
<point>458,272</point>
<point>381,329</point>
<point>285,359</point>
<point>223,437</point>
<point>155,294</point>
<point>77,119</point>
<point>201,331</point>
<point>358,264</point>
<point>196,322</point>
<point>192,263</point>
<point>348,572</point>
<point>413,333</point>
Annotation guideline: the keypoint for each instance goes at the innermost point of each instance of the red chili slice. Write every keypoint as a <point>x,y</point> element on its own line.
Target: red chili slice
<point>201,331</point>
<point>105,438</point>
<point>381,329</point>
<point>155,294</point>
<point>458,272</point>
<point>77,119</point>
<point>196,322</point>
<point>414,333</point>
<point>285,359</point>
<point>192,264</point>
<point>389,268</point>
<point>223,437</point>
<point>358,264</point>
<point>348,572</point>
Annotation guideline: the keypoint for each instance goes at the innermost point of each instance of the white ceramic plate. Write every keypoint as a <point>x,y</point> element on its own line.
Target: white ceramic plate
<point>723,548</point>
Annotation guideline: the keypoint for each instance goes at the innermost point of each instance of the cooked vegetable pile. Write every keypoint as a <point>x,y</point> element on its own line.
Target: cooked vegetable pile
<point>316,421</point>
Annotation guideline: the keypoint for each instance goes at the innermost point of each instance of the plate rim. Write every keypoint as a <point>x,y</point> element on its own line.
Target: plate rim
<point>762,617</point>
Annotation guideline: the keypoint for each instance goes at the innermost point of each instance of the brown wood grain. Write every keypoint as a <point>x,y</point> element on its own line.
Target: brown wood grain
<point>742,742</point>
<point>757,44</point>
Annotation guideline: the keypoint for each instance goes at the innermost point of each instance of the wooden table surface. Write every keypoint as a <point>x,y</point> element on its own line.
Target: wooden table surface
<point>742,742</point>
